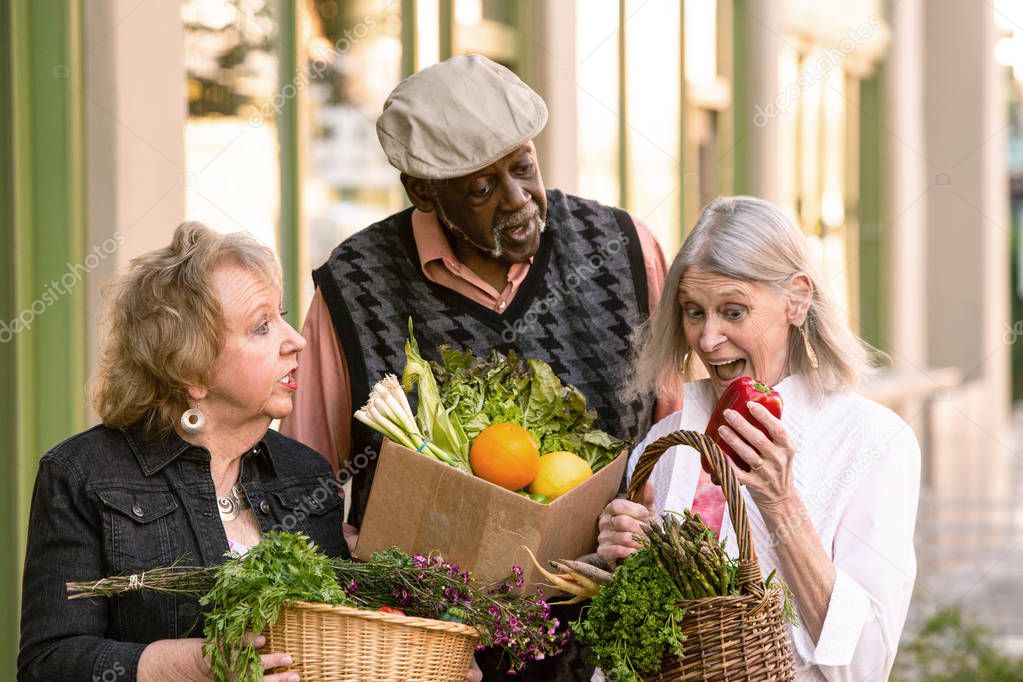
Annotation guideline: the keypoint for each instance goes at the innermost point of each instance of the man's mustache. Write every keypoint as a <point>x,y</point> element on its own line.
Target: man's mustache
<point>524,214</point>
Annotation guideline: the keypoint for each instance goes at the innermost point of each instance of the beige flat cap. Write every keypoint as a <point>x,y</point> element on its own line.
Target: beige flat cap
<point>456,117</point>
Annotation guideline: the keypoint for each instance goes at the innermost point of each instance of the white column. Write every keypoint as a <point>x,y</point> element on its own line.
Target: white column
<point>969,230</point>
<point>552,45</point>
<point>135,115</point>
<point>764,28</point>
<point>907,176</point>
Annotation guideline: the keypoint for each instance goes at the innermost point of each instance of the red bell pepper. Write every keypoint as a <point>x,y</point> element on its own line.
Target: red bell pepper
<point>740,392</point>
<point>391,609</point>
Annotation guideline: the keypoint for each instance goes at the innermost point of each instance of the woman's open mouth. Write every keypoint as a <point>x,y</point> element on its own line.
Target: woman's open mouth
<point>288,380</point>
<point>727,371</point>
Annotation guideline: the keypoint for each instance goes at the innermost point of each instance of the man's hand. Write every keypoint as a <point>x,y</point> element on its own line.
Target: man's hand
<point>474,673</point>
<point>351,534</point>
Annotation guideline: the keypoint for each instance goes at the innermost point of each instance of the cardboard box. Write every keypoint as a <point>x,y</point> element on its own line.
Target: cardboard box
<point>422,505</point>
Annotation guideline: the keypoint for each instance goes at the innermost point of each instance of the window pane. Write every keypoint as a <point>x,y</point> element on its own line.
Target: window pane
<point>353,52</point>
<point>231,152</point>
<point>487,28</point>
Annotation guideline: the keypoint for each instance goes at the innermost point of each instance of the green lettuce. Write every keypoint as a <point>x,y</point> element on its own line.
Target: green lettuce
<point>465,394</point>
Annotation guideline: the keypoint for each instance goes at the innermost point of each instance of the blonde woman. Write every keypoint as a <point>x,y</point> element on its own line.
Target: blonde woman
<point>832,491</point>
<point>197,363</point>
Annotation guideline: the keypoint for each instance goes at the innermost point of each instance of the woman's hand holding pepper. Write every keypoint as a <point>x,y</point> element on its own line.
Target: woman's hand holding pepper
<point>769,456</point>
<point>803,562</point>
<point>620,521</point>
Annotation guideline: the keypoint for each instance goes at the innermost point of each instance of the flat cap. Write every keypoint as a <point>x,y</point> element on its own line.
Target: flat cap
<point>454,118</point>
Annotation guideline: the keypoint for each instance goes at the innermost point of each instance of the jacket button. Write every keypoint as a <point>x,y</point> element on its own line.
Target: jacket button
<point>137,511</point>
<point>264,507</point>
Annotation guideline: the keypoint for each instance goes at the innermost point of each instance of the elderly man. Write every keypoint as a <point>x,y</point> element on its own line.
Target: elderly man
<point>485,258</point>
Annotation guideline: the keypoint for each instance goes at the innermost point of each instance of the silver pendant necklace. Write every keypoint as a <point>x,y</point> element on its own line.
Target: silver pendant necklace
<point>232,504</point>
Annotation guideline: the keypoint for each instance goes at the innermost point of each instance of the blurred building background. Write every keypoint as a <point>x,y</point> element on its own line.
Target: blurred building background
<point>890,130</point>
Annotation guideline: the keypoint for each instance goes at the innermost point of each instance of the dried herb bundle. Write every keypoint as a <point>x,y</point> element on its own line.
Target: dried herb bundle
<point>246,593</point>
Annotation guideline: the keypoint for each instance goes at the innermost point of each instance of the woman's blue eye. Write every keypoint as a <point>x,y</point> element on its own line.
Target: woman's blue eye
<point>693,313</point>
<point>734,313</point>
<point>264,327</point>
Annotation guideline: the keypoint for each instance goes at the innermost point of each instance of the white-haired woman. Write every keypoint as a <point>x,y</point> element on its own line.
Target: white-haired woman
<point>832,491</point>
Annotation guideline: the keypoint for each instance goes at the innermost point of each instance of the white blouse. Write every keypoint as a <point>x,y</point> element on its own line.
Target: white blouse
<point>857,471</point>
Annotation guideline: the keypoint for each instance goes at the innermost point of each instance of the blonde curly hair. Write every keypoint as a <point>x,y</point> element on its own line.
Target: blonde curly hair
<point>164,326</point>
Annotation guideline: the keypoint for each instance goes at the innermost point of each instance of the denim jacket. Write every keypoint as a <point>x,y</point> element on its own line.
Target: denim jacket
<point>112,502</point>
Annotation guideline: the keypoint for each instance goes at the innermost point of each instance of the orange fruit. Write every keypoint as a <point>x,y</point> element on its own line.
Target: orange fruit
<point>559,472</point>
<point>505,454</point>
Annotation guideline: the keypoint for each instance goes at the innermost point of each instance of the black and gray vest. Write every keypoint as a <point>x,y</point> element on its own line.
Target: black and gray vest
<point>585,292</point>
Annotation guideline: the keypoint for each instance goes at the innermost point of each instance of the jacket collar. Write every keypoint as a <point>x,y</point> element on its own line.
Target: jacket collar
<point>156,452</point>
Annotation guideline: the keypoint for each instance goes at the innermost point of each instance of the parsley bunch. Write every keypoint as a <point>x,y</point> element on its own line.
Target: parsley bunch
<point>248,594</point>
<point>635,621</point>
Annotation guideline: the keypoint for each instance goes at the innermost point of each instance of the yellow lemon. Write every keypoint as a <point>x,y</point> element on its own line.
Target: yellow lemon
<point>559,472</point>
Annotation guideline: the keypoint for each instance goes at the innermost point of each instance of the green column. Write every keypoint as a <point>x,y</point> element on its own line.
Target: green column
<point>45,264</point>
<point>871,210</point>
<point>289,235</point>
<point>408,38</point>
<point>10,523</point>
<point>447,28</point>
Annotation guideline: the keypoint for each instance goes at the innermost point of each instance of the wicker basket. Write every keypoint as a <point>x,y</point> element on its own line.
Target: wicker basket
<point>735,638</point>
<point>342,643</point>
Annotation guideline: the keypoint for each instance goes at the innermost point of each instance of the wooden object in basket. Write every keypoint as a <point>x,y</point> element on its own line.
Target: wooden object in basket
<point>329,643</point>
<point>730,638</point>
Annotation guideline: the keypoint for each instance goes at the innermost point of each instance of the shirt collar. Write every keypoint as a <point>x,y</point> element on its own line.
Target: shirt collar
<point>156,452</point>
<point>431,242</point>
<point>795,390</point>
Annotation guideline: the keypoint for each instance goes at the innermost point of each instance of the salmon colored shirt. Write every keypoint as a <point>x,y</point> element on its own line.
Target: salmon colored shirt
<point>322,416</point>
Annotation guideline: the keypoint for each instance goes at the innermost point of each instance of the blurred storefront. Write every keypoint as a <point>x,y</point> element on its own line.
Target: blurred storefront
<point>878,125</point>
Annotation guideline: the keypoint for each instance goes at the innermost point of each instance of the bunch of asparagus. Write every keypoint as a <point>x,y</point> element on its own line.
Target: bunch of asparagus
<point>690,553</point>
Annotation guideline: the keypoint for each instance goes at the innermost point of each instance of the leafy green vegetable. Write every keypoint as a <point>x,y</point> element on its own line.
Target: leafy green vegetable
<point>445,432</point>
<point>478,392</point>
<point>248,594</point>
<point>954,648</point>
<point>634,622</point>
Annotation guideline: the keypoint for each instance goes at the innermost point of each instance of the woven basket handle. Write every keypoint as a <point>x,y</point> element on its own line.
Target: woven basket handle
<point>751,580</point>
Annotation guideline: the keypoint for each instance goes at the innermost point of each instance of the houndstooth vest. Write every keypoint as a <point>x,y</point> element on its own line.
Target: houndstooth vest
<point>584,294</point>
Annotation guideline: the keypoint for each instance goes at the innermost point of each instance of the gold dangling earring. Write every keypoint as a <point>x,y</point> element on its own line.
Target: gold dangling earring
<point>810,353</point>
<point>685,362</point>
